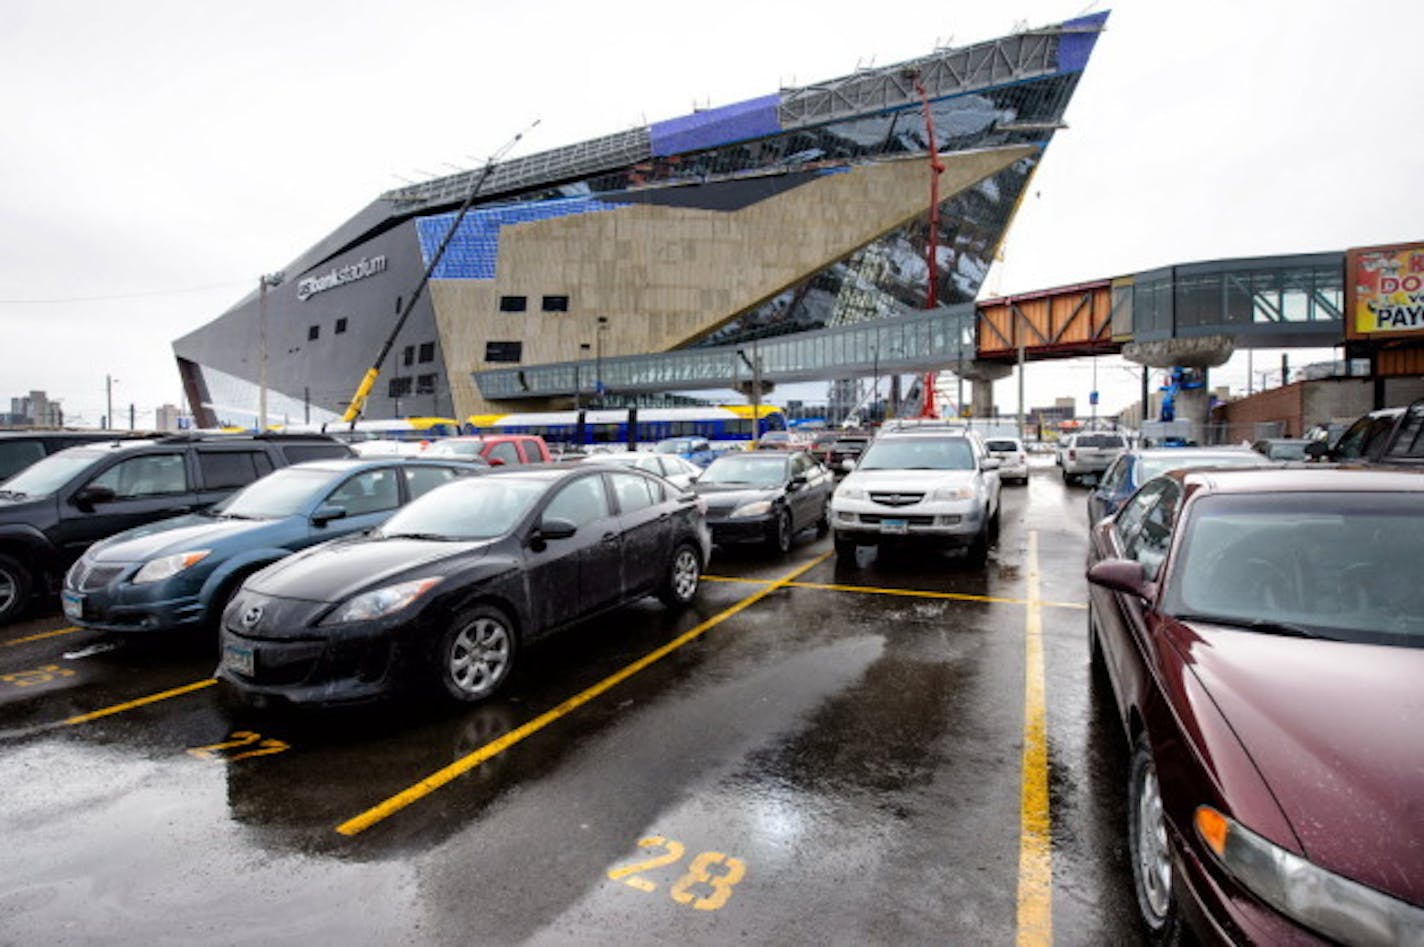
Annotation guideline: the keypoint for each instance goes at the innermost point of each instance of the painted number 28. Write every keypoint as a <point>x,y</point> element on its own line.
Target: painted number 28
<point>700,887</point>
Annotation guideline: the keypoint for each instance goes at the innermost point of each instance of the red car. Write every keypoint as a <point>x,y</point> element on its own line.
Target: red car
<point>497,449</point>
<point>1263,633</point>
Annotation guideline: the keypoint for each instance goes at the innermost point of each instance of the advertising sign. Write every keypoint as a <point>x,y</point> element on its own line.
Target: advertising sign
<point>1385,295</point>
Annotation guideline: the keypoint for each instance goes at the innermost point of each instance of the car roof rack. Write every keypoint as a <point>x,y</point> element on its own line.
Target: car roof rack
<point>220,436</point>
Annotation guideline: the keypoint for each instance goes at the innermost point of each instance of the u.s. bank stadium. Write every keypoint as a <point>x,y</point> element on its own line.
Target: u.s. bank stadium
<point>646,260</point>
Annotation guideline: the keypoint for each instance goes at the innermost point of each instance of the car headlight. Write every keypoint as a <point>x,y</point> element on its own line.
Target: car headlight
<point>1323,901</point>
<point>850,493</point>
<point>953,493</point>
<point>156,570</point>
<point>757,508</point>
<point>379,603</point>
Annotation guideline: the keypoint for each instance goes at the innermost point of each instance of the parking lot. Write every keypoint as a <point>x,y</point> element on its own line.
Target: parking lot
<point>904,750</point>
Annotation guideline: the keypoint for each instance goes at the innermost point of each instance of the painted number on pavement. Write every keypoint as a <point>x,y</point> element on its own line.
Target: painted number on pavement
<point>701,887</point>
<point>240,745</point>
<point>41,675</point>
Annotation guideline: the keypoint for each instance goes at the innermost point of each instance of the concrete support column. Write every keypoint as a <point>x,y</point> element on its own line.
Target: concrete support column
<point>1192,405</point>
<point>983,375</point>
<point>983,396</point>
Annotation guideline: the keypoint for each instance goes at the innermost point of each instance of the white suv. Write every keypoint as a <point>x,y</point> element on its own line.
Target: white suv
<point>928,486</point>
<point>1012,457</point>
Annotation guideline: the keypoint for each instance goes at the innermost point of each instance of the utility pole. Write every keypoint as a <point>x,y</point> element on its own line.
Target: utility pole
<point>598,359</point>
<point>109,401</point>
<point>264,282</point>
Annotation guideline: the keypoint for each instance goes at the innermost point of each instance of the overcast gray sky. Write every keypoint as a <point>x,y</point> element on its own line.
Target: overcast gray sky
<point>160,155</point>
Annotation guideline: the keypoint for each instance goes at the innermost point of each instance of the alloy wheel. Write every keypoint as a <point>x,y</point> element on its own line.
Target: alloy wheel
<point>1154,865</point>
<point>685,574</point>
<point>479,656</point>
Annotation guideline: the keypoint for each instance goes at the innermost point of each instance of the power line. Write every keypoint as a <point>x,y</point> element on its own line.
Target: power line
<point>119,296</point>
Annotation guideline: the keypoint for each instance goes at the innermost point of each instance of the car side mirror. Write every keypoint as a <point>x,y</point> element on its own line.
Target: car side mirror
<point>91,496</point>
<point>798,481</point>
<point>992,463</point>
<point>847,465</point>
<point>555,528</point>
<point>1122,575</point>
<point>326,513</point>
<point>1316,450</point>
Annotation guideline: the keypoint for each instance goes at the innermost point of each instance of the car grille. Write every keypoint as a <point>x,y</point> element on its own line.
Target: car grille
<point>897,499</point>
<point>87,577</point>
<point>875,518</point>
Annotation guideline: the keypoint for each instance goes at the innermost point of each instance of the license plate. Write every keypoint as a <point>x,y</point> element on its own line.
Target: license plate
<point>897,527</point>
<point>73,605</point>
<point>239,659</point>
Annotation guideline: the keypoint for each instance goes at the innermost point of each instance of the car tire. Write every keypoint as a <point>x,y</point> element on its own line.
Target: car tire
<point>977,555</point>
<point>1153,877</point>
<point>823,525</point>
<point>845,547</point>
<point>684,577</point>
<point>779,539</point>
<point>15,585</point>
<point>994,523</point>
<point>476,654</point>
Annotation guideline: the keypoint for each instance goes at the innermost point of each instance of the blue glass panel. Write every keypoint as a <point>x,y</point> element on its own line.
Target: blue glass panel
<point>739,121</point>
<point>1074,48</point>
<point>474,250</point>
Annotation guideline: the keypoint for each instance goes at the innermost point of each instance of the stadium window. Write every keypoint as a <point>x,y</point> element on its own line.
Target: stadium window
<point>427,352</point>
<point>513,303</point>
<point>400,385</point>
<point>504,351</point>
<point>425,384</point>
<point>556,304</point>
<point>340,326</point>
<point>313,332</point>
<point>408,356</point>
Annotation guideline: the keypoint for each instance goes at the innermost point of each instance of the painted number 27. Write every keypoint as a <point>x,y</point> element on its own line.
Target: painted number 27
<point>700,887</point>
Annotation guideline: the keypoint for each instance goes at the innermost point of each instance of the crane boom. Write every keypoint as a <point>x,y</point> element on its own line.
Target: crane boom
<point>368,381</point>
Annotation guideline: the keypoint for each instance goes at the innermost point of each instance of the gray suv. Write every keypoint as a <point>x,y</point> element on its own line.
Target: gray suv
<point>52,511</point>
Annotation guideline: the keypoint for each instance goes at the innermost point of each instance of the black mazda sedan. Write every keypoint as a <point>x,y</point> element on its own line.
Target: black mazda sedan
<point>765,497</point>
<point>448,591</point>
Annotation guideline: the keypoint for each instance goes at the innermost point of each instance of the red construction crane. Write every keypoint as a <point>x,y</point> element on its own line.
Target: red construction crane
<point>927,404</point>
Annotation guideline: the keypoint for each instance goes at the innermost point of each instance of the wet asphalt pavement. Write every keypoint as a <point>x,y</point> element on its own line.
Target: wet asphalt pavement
<point>838,761</point>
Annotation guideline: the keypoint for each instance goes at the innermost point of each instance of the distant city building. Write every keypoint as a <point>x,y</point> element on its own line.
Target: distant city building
<point>168,418</point>
<point>34,410</point>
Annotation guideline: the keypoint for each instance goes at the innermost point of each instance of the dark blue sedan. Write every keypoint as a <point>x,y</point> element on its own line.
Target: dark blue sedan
<point>180,572</point>
<point>1133,468</point>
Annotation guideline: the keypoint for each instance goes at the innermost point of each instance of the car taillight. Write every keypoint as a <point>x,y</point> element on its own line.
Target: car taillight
<point>1072,454</point>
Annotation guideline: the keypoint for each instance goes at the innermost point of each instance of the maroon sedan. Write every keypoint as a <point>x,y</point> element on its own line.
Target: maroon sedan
<point>1263,632</point>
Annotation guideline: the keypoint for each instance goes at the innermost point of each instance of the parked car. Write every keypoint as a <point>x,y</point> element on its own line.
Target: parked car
<point>179,573</point>
<point>680,473</point>
<point>1264,646</point>
<point>776,440</point>
<point>497,450</point>
<point>1388,436</point>
<point>933,487</point>
<point>1090,454</point>
<point>846,447</point>
<point>765,497</point>
<point>54,509</point>
<point>19,449</point>
<point>1135,467</point>
<point>1012,458</point>
<point>697,450</point>
<point>445,595</point>
<point>1281,448</point>
<point>821,442</point>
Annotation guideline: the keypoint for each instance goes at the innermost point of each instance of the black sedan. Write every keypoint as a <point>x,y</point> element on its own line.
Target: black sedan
<point>449,590</point>
<point>765,497</point>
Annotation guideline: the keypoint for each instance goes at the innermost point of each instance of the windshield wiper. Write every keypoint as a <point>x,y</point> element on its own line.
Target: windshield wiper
<point>433,537</point>
<point>1263,625</point>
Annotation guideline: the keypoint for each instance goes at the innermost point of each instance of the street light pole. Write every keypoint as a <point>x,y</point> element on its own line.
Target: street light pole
<point>578,376</point>
<point>109,400</point>
<point>875,374</point>
<point>598,359</point>
<point>264,282</point>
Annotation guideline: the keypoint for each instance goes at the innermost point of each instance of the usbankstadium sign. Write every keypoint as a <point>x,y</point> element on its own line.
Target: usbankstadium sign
<point>309,286</point>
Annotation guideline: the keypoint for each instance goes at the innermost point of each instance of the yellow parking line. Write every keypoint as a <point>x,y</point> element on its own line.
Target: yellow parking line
<point>46,634</point>
<point>436,780</point>
<point>1035,894</point>
<point>909,593</point>
<point>150,699</point>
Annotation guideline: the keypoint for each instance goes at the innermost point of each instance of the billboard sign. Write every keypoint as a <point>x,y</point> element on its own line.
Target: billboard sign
<point>1385,291</point>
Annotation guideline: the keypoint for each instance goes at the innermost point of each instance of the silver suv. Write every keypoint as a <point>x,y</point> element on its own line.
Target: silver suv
<point>1090,454</point>
<point>927,486</point>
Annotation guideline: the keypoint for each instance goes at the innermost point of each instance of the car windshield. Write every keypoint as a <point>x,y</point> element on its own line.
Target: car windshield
<point>1160,464</point>
<point>919,453</point>
<point>454,449</point>
<point>1287,450</point>
<point>474,508</point>
<point>749,470</point>
<point>283,493</point>
<point>1337,565</point>
<point>853,444</point>
<point>46,476</point>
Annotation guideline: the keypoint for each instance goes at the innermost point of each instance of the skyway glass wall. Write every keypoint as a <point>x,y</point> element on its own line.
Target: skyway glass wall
<point>934,339</point>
